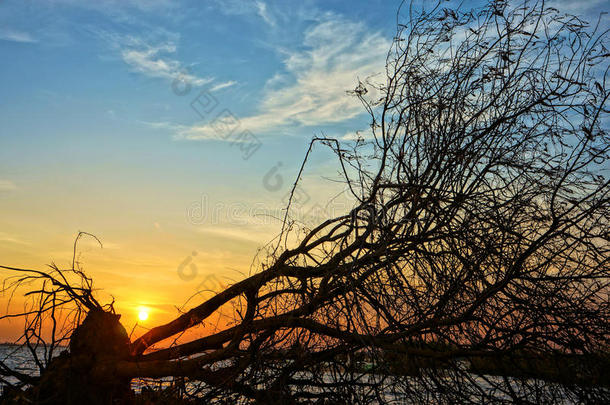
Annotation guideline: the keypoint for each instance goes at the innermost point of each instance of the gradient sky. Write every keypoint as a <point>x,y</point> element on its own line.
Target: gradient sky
<point>98,131</point>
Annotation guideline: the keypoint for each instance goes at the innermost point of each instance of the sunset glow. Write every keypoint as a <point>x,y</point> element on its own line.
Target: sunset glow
<point>143,313</point>
<point>238,201</point>
<point>144,166</point>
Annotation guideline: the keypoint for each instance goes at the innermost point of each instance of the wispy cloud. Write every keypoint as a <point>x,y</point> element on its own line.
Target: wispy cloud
<point>152,61</point>
<point>5,237</point>
<point>577,7</point>
<point>113,7</point>
<point>223,85</point>
<point>312,89</point>
<point>246,7</point>
<point>164,125</point>
<point>16,36</point>
<point>152,55</point>
<point>248,232</point>
<point>7,185</point>
<point>356,135</point>
<point>184,131</point>
<point>261,9</point>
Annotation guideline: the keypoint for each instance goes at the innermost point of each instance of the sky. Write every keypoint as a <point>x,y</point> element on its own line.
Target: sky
<point>173,131</point>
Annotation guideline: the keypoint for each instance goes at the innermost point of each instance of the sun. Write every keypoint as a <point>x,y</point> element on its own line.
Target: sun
<point>143,313</point>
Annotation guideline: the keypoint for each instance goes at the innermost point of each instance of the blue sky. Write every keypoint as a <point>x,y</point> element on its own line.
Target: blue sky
<point>98,132</point>
<point>87,86</point>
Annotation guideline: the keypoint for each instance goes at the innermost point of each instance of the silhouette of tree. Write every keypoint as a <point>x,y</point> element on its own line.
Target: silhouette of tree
<point>474,266</point>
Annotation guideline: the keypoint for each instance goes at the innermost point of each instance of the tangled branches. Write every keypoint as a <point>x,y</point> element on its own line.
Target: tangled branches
<point>474,265</point>
<point>56,302</point>
<point>478,243</point>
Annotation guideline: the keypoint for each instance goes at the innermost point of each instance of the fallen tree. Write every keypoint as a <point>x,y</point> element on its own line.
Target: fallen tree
<point>476,251</point>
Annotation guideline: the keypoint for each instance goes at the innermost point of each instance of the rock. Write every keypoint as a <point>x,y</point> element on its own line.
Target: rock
<point>69,379</point>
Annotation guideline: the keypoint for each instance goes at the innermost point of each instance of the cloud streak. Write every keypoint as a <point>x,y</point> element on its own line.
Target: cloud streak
<point>312,89</point>
<point>17,36</point>
<point>155,56</point>
<point>151,61</point>
<point>261,10</point>
<point>223,85</point>
<point>7,185</point>
<point>5,237</point>
<point>241,7</point>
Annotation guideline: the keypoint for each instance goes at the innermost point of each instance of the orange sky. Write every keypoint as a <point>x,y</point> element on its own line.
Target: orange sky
<point>145,245</point>
<point>137,270</point>
<point>104,129</point>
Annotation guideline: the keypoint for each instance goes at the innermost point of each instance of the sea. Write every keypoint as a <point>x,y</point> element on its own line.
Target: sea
<point>20,359</point>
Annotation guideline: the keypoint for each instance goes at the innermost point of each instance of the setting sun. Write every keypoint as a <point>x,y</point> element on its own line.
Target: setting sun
<point>267,201</point>
<point>143,314</point>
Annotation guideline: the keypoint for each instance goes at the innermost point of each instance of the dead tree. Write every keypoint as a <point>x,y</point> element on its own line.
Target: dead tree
<point>474,265</point>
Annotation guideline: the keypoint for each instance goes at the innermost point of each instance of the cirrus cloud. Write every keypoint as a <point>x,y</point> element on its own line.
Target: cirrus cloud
<point>16,36</point>
<point>7,185</point>
<point>149,60</point>
<point>312,89</point>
